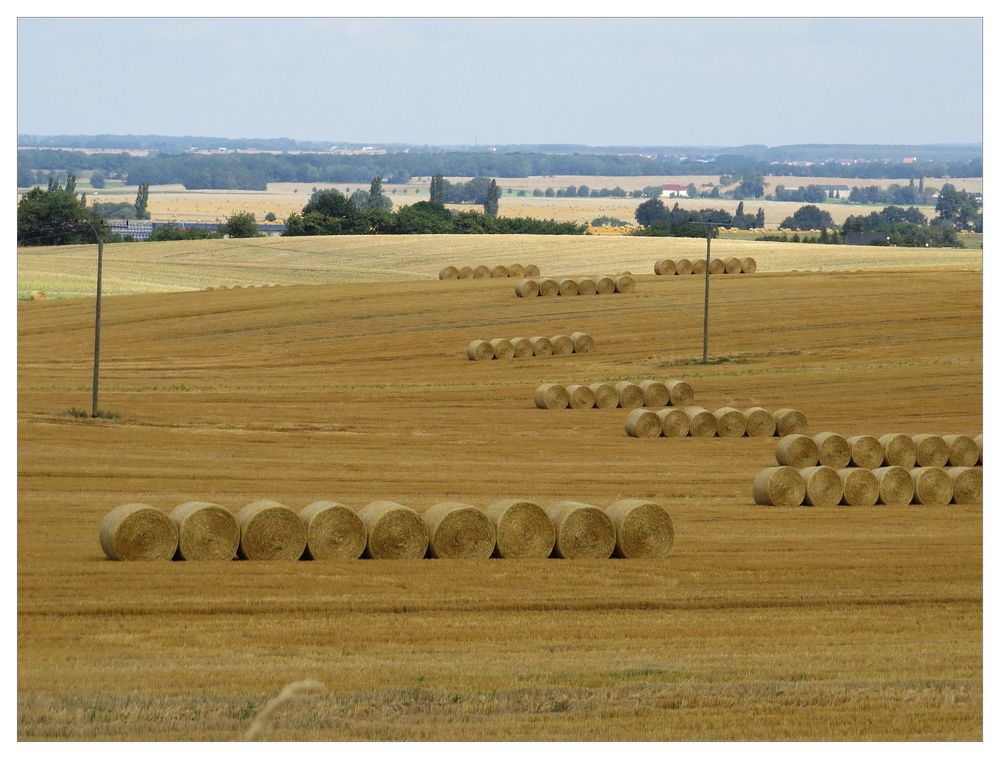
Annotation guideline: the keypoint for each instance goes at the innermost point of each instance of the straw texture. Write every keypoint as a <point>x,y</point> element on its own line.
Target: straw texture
<point>643,529</point>
<point>823,486</point>
<point>834,450</point>
<point>458,531</point>
<point>333,532</point>
<point>582,531</point>
<point>551,396</point>
<point>900,450</point>
<point>866,451</point>
<point>799,451</point>
<point>931,486</point>
<point>730,422</point>
<point>779,486</point>
<point>733,265</point>
<point>137,532</point>
<point>548,287</point>
<point>605,395</point>
<point>624,284</point>
<point>605,285</point>
<point>522,347</point>
<point>962,450</point>
<point>665,266</point>
<point>448,272</point>
<point>860,486</point>
<point>586,286</point>
<point>748,265</point>
<point>530,270</point>
<point>582,342</point>
<point>655,394</point>
<point>684,266</point>
<point>681,393</point>
<point>580,396</point>
<point>717,266</point>
<point>499,272</point>
<point>967,484</point>
<point>568,287</point>
<point>895,488</point>
<point>482,272</point>
<point>394,531</point>
<point>642,422</point>
<point>630,395</point>
<point>760,422</point>
<point>502,349</point>
<point>523,529</point>
<point>270,531</point>
<point>674,422</point>
<point>702,422</point>
<point>479,350</point>
<point>932,450</point>
<point>562,345</point>
<point>526,288</point>
<point>541,346</point>
<point>205,532</point>
<point>788,421</point>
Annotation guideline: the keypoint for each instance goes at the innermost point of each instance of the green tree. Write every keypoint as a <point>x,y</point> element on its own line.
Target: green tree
<point>692,190</point>
<point>651,212</point>
<point>739,209</point>
<point>751,185</point>
<point>808,217</point>
<point>759,219</point>
<point>376,198</point>
<point>437,189</point>
<point>549,192</point>
<point>142,201</point>
<point>54,217</point>
<point>269,216</point>
<point>97,180</point>
<point>240,224</point>
<point>492,205</point>
<point>959,208</point>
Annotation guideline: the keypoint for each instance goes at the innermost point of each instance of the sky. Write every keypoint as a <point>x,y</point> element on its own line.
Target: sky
<point>505,81</point>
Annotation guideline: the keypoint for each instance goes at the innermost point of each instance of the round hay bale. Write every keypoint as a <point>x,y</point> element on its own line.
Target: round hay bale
<point>788,421</point>
<point>541,346</point>
<point>580,396</point>
<point>962,450</point>
<point>717,266</point>
<point>522,347</point>
<point>38,295</point>
<point>895,488</point>
<point>779,486</point>
<point>526,288</point>
<point>967,484</point>
<point>205,531</point>
<point>466,272</point>
<point>502,349</point>
<point>681,393</point>
<point>448,272</point>
<point>799,451</point>
<point>730,422</point>
<point>333,531</point>
<point>630,395</point>
<point>823,486</point>
<point>530,270</point>
<point>748,265</point>
<point>551,396</point>
<point>834,450</point>
<point>698,266</point>
<point>643,529</point>
<point>623,271</point>
<point>586,286</point>
<point>666,267</point>
<point>931,486</point>
<point>866,451</point>
<point>394,531</point>
<point>582,531</point>
<point>760,422</point>
<point>499,272</point>
<point>624,283</point>
<point>523,529</point>
<point>137,532</point>
<point>548,287</point>
<point>674,422</point>
<point>860,486</point>
<point>655,394</point>
<point>702,423</point>
<point>568,287</point>
<point>479,350</point>
<point>457,531</point>
<point>642,422</point>
<point>270,531</point>
<point>932,450</point>
<point>733,265</point>
<point>515,271</point>
<point>562,345</point>
<point>582,342</point>
<point>605,395</point>
<point>684,266</point>
<point>482,272</point>
<point>605,285</point>
<point>979,444</point>
<point>900,450</point>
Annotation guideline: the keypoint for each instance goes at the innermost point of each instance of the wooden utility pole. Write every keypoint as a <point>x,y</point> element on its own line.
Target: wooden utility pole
<point>708,275</point>
<point>97,324</point>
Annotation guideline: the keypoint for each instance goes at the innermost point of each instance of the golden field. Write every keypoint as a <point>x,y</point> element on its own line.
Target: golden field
<point>765,623</point>
<point>129,268</point>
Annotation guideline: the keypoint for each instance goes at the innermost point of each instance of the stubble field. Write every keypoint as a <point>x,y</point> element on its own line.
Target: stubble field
<point>765,623</point>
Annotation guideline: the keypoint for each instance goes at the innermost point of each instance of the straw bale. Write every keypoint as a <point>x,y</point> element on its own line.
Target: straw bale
<point>866,451</point>
<point>748,265</point>
<point>733,265</point>
<point>799,451</point>
<point>788,421</point>
<point>702,422</point>
<point>730,422</point>
<point>931,486</point>
<point>666,266</point>
<point>684,266</point>
<point>38,295</point>
<point>967,484</point>
<point>698,266</point>
<point>630,395</point>
<point>448,272</point>
<point>823,486</point>
<point>530,270</point>
<point>548,287</point>
<point>895,488</point>
<point>674,422</point>
<point>542,346</point>
<point>466,272</point>
<point>717,266</point>
<point>205,531</point>
<point>932,450</point>
<point>643,529</point>
<point>502,349</point>
<point>515,271</point>
<point>458,531</point>
<point>681,393</point>
<point>834,450</point>
<point>499,272</point>
<point>962,450</point>
<point>562,345</point>
<point>760,422</point>
<point>333,531</point>
<point>568,287</point>
<point>605,285</point>
<point>523,529</point>
<point>526,288</point>
<point>137,532</point>
<point>586,286</point>
<point>655,393</point>
<point>779,486</point>
<point>580,396</point>
<point>270,531</point>
<point>582,531</point>
<point>479,350</point>
<point>642,422</point>
<point>522,347</point>
<point>482,272</point>
<point>860,486</point>
<point>551,396</point>
<point>394,531</point>
<point>582,342</point>
<point>605,395</point>
<point>900,450</point>
<point>624,283</point>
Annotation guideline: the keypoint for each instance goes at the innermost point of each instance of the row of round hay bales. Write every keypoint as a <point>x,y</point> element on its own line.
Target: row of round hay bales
<point>869,452</point>
<point>326,530</point>
<point>240,287</point>
<point>683,266</point>
<point>601,285</point>
<point>624,394</point>
<point>526,347</point>
<point>695,421</point>
<point>489,272</point>
<point>852,486</point>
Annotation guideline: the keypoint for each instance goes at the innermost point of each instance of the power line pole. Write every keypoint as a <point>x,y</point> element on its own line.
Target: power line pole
<point>708,276</point>
<point>97,323</point>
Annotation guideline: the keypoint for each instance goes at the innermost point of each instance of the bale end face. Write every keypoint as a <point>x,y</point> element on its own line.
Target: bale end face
<point>630,395</point>
<point>932,450</point>
<point>681,393</point>
<point>605,285</point>
<point>394,531</point>
<point>967,485</point>
<point>900,450</point>
<point>205,532</point>
<point>866,451</point>
<point>655,393</point>
<point>779,486</point>
<point>860,487</point>
<point>526,288</point>
<point>760,422</point>
<point>643,529</point>
<point>562,345</point>
<point>605,395</point>
<point>582,342</point>
<point>962,450</point>
<point>580,397</point>
<point>674,422</point>
<point>824,487</point>
<point>790,422</point>
<point>568,287</point>
<point>448,272</point>
<point>931,486</point>
<point>586,286</point>
<point>582,531</point>
<point>702,422</point>
<point>523,529</point>
<point>895,487</point>
<point>730,422</point>
<point>833,450</point>
<point>270,531</point>
<point>551,396</point>
<point>624,284</point>
<point>137,532</point>
<point>684,267</point>
<point>748,265</point>
<point>502,349</point>
<point>642,422</point>
<point>522,347</point>
<point>334,532</point>
<point>479,350</point>
<point>548,287</point>
<point>457,531</point>
<point>799,451</point>
<point>541,346</point>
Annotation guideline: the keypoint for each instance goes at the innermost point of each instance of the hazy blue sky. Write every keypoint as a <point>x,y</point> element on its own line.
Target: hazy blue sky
<point>598,82</point>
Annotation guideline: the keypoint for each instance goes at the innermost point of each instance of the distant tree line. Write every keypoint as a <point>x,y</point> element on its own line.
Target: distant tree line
<point>656,220</point>
<point>254,171</point>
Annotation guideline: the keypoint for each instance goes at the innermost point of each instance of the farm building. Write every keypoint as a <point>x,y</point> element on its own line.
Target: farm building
<point>140,230</point>
<point>674,191</point>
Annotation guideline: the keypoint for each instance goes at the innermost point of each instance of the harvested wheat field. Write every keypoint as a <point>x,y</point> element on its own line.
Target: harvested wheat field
<point>763,623</point>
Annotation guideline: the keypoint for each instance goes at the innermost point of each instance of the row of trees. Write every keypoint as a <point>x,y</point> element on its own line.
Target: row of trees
<point>678,222</point>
